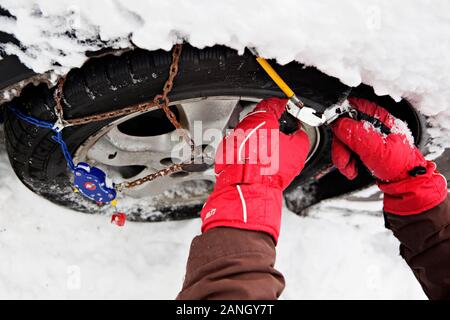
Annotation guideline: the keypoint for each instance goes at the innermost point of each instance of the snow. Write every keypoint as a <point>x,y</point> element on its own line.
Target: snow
<point>339,251</point>
<point>49,252</point>
<point>400,49</point>
<point>401,128</point>
<point>366,193</point>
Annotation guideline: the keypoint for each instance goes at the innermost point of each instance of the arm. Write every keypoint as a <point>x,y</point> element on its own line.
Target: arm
<point>425,246</point>
<point>415,194</point>
<point>234,257</point>
<point>229,263</point>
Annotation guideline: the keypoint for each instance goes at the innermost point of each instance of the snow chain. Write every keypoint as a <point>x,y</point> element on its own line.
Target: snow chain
<point>161,101</point>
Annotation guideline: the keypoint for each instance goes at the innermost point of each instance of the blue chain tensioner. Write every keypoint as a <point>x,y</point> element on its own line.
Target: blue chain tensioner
<point>89,181</point>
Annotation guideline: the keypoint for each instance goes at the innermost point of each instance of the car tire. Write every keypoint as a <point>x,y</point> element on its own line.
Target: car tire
<point>112,82</point>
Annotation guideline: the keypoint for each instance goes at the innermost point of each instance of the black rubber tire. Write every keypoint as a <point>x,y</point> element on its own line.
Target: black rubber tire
<point>113,82</point>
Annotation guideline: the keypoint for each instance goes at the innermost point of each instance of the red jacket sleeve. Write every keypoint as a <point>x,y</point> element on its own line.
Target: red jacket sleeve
<point>227,263</point>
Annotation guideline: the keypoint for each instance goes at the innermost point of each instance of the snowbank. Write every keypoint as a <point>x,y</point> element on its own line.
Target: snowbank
<point>400,48</point>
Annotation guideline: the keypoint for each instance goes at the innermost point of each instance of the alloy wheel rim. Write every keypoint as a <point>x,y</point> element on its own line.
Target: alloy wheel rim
<point>136,145</point>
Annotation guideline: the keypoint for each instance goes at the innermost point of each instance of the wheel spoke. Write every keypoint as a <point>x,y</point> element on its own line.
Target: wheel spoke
<point>162,184</point>
<point>160,143</point>
<point>209,176</point>
<point>107,153</point>
<point>167,183</point>
<point>200,116</point>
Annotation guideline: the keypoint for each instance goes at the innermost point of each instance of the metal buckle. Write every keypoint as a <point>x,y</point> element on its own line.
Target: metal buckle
<point>336,110</point>
<point>305,114</point>
<point>59,125</point>
<point>309,115</point>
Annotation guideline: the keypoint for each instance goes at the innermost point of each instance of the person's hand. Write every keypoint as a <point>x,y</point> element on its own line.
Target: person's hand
<point>411,184</point>
<point>254,165</point>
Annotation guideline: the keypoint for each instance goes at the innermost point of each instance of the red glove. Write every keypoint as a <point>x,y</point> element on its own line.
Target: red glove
<point>254,165</point>
<point>410,183</point>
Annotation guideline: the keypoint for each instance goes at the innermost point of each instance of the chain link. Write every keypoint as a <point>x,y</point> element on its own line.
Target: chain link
<point>161,101</point>
<point>161,173</point>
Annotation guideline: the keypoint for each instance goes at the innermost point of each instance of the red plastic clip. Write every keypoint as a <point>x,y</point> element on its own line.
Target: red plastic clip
<point>119,219</point>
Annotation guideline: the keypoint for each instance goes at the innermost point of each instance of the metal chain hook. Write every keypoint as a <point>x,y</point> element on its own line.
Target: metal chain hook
<point>60,123</point>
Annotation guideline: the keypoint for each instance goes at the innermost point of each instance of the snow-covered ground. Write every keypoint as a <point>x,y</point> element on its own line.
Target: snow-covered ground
<point>49,252</point>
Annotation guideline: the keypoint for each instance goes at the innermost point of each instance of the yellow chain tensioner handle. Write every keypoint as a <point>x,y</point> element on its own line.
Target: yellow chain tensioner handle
<point>275,77</point>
